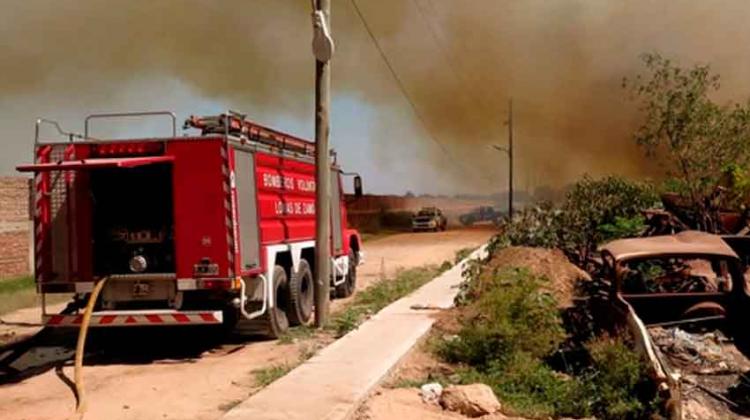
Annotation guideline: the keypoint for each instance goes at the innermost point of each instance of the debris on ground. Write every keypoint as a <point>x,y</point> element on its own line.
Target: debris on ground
<point>693,409</point>
<point>712,369</point>
<point>406,403</point>
<point>431,393</point>
<point>698,353</point>
<point>551,264</point>
<point>473,400</point>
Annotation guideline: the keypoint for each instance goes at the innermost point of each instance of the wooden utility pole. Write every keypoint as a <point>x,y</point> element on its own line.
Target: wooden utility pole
<point>510,158</point>
<point>509,151</point>
<point>321,24</point>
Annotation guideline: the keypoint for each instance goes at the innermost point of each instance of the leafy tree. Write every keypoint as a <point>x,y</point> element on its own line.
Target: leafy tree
<point>592,203</point>
<point>594,211</point>
<point>701,144</point>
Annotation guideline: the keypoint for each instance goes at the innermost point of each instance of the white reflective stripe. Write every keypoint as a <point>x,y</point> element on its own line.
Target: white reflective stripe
<point>271,251</point>
<point>341,265</point>
<point>296,249</point>
<point>187,284</point>
<point>136,318</point>
<point>83,287</point>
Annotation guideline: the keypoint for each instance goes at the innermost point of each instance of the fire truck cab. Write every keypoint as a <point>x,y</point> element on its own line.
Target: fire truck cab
<point>212,228</point>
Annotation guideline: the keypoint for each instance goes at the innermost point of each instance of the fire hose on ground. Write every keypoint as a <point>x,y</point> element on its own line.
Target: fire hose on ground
<point>80,346</point>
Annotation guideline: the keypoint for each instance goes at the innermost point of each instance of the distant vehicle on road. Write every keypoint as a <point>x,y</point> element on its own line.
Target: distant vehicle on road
<point>480,214</point>
<point>429,218</point>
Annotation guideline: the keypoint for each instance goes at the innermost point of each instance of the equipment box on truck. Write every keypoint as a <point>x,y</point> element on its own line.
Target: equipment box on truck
<point>216,228</point>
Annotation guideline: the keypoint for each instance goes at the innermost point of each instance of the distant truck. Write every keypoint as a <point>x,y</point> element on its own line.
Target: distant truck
<point>429,219</point>
<point>480,214</point>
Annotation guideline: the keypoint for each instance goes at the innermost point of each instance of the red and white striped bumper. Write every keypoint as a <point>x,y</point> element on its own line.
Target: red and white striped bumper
<point>136,318</point>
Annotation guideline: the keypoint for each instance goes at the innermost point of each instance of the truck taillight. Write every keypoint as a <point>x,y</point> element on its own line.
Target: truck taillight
<point>214,284</point>
<point>126,149</point>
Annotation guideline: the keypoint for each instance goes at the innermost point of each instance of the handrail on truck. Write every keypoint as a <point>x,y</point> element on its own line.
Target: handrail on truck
<point>131,114</point>
<point>59,129</point>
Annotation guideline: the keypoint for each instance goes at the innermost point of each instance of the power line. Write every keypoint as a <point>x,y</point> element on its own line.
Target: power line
<point>459,76</point>
<point>406,95</point>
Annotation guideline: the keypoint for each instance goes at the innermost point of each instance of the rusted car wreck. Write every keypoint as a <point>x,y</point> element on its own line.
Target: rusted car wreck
<point>670,284</point>
<point>688,277</point>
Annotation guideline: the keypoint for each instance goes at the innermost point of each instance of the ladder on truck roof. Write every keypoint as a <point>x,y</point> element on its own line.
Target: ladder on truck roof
<point>233,123</point>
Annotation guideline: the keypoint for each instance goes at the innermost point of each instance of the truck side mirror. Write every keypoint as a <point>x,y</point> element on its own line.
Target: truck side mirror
<point>358,186</point>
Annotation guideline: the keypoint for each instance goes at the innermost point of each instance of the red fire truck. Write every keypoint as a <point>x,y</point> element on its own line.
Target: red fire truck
<point>214,228</point>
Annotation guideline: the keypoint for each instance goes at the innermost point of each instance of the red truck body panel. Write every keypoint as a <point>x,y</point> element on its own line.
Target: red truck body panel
<point>286,199</point>
<point>200,226</point>
<point>203,202</point>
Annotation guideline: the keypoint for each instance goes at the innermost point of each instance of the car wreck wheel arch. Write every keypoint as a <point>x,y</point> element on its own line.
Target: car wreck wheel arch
<point>705,308</point>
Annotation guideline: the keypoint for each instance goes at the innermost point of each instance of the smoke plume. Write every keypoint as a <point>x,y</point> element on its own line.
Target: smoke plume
<point>562,62</point>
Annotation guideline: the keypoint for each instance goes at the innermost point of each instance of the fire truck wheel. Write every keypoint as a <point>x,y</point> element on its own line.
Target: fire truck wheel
<point>278,323</point>
<point>300,290</point>
<point>347,288</point>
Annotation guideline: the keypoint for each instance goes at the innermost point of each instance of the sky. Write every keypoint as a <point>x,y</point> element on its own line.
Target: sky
<point>427,129</point>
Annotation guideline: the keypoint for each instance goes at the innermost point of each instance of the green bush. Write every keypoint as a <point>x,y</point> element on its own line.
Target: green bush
<point>509,331</point>
<point>512,315</point>
<point>594,211</point>
<point>380,295</point>
<point>592,203</point>
<point>537,226</point>
<point>622,227</point>
<point>616,378</point>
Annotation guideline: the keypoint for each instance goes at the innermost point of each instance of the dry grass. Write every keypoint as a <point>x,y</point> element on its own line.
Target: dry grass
<point>18,293</point>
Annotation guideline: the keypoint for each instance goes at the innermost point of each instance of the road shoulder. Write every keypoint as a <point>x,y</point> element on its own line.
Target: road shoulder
<point>333,383</point>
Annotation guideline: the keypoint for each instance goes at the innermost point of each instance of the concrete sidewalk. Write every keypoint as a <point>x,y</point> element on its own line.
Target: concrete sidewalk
<point>332,384</point>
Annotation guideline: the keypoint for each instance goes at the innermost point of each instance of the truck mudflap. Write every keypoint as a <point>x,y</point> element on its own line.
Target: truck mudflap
<point>136,318</point>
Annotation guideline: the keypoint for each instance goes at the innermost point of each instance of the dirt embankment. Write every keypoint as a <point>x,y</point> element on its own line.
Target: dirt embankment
<point>552,264</point>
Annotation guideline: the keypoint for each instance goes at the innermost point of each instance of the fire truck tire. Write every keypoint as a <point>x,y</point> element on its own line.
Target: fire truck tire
<point>348,287</point>
<point>301,299</point>
<point>274,323</point>
<point>278,323</point>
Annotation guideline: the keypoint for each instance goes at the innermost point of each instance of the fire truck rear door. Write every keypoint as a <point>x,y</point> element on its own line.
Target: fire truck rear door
<point>244,174</point>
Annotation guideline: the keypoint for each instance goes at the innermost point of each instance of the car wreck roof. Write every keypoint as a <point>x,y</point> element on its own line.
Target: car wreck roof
<point>688,242</point>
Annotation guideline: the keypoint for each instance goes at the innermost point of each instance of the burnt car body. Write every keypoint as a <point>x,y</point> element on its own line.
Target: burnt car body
<point>676,278</point>
<point>429,219</point>
<point>480,214</point>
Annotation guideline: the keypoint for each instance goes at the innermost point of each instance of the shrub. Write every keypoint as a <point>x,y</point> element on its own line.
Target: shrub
<point>509,332</point>
<point>380,295</point>
<point>592,203</point>
<point>594,211</point>
<point>511,315</point>
<point>618,381</point>
<point>538,226</point>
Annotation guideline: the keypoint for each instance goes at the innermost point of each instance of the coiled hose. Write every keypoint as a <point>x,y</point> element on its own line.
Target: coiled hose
<point>80,346</point>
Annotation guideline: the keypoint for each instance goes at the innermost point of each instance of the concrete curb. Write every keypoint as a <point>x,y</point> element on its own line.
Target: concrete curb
<point>333,383</point>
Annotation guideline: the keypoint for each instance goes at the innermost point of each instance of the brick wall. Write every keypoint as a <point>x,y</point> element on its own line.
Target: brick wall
<point>14,227</point>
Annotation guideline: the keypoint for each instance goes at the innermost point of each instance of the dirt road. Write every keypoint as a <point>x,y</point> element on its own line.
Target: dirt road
<point>127,379</point>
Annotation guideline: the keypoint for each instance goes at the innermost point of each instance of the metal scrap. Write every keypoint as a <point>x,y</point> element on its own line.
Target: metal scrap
<point>702,352</point>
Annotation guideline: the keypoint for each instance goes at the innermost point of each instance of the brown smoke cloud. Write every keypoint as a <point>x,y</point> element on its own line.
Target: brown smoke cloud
<point>460,61</point>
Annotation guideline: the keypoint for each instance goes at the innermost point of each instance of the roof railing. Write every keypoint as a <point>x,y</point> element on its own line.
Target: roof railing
<point>130,115</point>
<point>56,125</point>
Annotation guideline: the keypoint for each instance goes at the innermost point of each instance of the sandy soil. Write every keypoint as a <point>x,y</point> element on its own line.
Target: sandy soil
<point>393,401</point>
<point>194,376</point>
